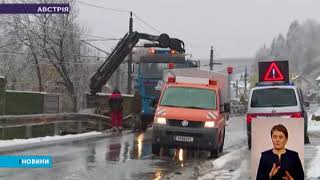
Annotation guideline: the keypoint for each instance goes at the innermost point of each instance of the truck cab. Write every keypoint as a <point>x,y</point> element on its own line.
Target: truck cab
<point>192,114</point>
<point>150,72</point>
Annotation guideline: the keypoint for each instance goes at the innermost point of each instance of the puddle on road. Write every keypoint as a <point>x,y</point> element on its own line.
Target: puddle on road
<point>141,149</point>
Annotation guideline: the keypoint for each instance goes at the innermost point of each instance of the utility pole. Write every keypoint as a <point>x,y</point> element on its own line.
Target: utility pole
<point>211,59</point>
<point>237,88</point>
<point>245,81</point>
<point>130,57</point>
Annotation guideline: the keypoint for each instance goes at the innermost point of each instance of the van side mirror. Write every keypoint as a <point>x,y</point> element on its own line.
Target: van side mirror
<point>225,108</point>
<point>154,103</point>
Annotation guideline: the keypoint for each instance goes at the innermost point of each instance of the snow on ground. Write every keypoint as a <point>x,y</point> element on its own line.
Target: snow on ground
<point>229,166</point>
<point>313,171</point>
<point>317,113</point>
<point>312,124</point>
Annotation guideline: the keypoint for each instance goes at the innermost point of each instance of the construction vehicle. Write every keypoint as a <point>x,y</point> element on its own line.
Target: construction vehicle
<point>123,48</point>
<point>192,111</point>
<point>150,72</point>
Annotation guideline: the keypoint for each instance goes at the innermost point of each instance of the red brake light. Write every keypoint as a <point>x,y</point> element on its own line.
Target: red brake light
<point>297,115</point>
<point>170,65</point>
<point>171,79</point>
<point>249,117</point>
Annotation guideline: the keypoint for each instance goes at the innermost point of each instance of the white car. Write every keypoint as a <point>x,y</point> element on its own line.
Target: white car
<point>277,100</point>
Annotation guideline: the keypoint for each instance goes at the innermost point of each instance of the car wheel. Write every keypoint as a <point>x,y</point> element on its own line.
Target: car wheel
<point>156,149</point>
<point>214,153</point>
<point>222,143</point>
<point>249,142</point>
<point>306,139</point>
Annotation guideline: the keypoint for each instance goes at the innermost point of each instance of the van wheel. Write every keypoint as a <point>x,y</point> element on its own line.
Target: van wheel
<point>222,143</point>
<point>156,149</point>
<point>214,153</point>
<point>144,126</point>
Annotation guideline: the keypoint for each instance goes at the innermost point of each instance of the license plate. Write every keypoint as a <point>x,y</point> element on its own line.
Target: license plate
<point>183,138</point>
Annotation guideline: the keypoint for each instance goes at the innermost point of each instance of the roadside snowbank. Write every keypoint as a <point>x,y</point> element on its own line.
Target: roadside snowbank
<point>18,144</point>
<point>313,171</point>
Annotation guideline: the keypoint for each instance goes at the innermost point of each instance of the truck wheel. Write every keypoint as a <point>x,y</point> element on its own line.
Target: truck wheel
<point>222,144</point>
<point>156,149</point>
<point>144,122</point>
<point>306,139</point>
<point>214,153</point>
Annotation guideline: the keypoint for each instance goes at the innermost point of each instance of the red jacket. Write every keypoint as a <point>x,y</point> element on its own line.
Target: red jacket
<point>115,102</point>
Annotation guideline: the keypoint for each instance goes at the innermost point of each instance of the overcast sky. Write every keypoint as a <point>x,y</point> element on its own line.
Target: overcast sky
<point>236,28</point>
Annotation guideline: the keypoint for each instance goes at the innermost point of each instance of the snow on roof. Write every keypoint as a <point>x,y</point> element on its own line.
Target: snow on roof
<point>318,78</point>
<point>2,77</point>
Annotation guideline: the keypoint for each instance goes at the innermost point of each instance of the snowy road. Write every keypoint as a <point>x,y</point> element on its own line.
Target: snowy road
<point>236,165</point>
<point>119,157</point>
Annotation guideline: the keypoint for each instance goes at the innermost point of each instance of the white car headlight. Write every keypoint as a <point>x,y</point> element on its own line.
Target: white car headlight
<point>161,120</point>
<point>209,124</point>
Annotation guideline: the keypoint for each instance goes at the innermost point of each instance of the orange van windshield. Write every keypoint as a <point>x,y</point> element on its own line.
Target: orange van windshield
<point>186,97</point>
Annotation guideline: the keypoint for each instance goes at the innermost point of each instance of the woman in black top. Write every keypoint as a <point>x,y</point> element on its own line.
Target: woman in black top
<point>279,162</point>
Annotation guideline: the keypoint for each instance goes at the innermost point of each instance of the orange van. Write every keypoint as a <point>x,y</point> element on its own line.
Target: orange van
<point>190,115</point>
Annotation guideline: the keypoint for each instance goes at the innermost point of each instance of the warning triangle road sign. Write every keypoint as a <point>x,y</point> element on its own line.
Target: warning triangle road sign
<point>273,73</point>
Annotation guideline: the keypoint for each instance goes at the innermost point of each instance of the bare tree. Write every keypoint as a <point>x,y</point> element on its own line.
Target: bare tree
<point>53,44</point>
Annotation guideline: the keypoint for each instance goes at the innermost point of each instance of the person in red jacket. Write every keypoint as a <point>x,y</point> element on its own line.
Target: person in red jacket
<point>115,103</point>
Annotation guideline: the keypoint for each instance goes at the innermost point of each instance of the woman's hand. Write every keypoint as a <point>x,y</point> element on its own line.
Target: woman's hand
<point>288,176</point>
<point>274,170</point>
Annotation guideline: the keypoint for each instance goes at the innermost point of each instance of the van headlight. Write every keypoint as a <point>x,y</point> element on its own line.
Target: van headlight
<point>209,124</point>
<point>161,120</point>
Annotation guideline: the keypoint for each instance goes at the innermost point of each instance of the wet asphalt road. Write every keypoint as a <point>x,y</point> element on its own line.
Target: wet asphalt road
<point>117,158</point>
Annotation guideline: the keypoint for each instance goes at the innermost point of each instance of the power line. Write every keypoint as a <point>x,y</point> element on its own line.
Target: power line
<point>144,22</point>
<point>101,7</point>
<point>28,54</point>
<point>107,53</point>
<point>57,28</point>
<point>105,39</point>
<point>123,11</point>
<point>65,30</point>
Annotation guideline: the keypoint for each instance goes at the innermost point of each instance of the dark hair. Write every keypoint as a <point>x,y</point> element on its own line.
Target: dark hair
<point>280,128</point>
<point>116,90</point>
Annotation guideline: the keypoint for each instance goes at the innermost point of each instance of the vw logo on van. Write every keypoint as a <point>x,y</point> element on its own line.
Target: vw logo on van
<point>184,123</point>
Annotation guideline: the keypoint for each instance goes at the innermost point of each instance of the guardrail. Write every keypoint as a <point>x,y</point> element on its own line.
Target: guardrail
<point>74,122</point>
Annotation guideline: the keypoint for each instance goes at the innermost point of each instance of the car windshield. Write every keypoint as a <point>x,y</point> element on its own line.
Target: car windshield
<point>187,97</point>
<point>273,97</point>
<point>155,70</point>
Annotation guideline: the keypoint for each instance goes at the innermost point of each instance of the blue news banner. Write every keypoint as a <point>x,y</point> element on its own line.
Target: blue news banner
<point>25,161</point>
<point>34,8</point>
